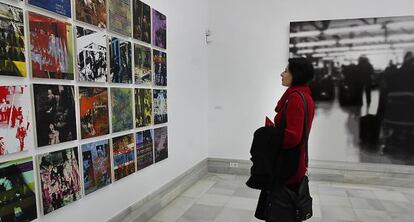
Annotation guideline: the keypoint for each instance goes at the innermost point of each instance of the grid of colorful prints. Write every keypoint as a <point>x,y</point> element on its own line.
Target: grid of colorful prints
<point>91,55</point>
<point>141,14</point>
<point>51,48</point>
<point>121,104</point>
<point>159,29</point>
<point>96,165</point>
<point>94,116</point>
<point>160,67</point>
<point>15,119</point>
<point>160,106</point>
<point>61,7</point>
<point>161,143</point>
<point>55,113</point>
<point>12,46</point>
<point>142,66</point>
<point>145,151</point>
<point>17,191</point>
<point>51,56</point>
<point>120,60</point>
<point>123,156</point>
<point>92,12</point>
<point>120,16</point>
<point>59,178</point>
<point>143,107</point>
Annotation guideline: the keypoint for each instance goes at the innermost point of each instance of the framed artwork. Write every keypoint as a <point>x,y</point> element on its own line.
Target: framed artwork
<point>61,7</point>
<point>120,60</point>
<point>363,83</point>
<point>160,67</point>
<point>17,191</point>
<point>96,166</point>
<point>51,47</point>
<point>15,119</point>
<point>142,66</point>
<point>59,178</point>
<point>92,12</point>
<point>160,106</point>
<point>94,115</point>
<point>12,46</point>
<point>120,16</point>
<point>161,143</point>
<point>143,107</point>
<point>124,156</point>
<point>145,148</point>
<point>159,29</point>
<point>121,99</point>
<point>141,14</point>
<point>55,113</point>
<point>91,55</point>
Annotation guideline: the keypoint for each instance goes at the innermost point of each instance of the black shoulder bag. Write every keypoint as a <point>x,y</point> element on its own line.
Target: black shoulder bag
<point>283,204</point>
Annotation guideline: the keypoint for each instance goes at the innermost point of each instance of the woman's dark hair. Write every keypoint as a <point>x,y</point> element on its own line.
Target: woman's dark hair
<point>301,69</point>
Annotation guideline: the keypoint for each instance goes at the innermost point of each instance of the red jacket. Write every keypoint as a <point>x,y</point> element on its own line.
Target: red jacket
<point>294,124</point>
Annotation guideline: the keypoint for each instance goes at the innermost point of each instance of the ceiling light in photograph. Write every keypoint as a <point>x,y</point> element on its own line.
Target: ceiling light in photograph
<point>305,51</point>
<point>304,34</point>
<point>334,49</point>
<point>401,25</point>
<point>362,40</point>
<point>317,43</point>
<point>401,37</point>
<point>359,28</point>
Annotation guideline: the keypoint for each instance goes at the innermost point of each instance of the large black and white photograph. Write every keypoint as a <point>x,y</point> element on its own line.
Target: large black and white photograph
<point>364,83</point>
<point>91,51</point>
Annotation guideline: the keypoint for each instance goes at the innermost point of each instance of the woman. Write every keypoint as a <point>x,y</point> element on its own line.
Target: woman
<point>291,107</point>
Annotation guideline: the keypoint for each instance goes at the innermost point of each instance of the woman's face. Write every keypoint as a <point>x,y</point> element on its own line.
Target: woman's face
<point>286,77</point>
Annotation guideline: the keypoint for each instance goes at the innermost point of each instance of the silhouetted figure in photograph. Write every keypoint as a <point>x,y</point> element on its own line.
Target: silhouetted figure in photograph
<point>396,104</point>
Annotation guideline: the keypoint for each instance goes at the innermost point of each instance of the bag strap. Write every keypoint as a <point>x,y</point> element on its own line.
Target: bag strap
<point>305,135</point>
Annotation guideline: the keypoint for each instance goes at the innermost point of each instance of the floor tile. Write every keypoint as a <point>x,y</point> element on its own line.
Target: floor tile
<point>390,195</point>
<point>372,216</point>
<point>366,204</point>
<point>338,213</point>
<point>198,189</point>
<point>221,191</point>
<point>332,191</point>
<point>247,192</point>
<point>200,212</point>
<point>242,203</point>
<point>230,214</point>
<point>334,201</point>
<point>214,200</point>
<point>397,206</point>
<point>367,194</point>
<point>175,209</point>
<point>399,217</point>
<point>409,196</point>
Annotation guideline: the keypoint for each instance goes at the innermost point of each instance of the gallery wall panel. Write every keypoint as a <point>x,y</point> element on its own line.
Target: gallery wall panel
<point>74,118</point>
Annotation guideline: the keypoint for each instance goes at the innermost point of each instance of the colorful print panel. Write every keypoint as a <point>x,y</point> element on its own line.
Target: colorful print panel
<point>94,116</point>
<point>12,47</point>
<point>15,119</point>
<point>51,50</point>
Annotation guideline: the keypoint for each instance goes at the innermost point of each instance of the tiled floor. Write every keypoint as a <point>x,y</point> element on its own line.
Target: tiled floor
<point>225,198</point>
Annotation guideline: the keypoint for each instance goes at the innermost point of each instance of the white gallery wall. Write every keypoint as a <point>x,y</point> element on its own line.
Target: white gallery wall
<point>187,117</point>
<point>249,50</point>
